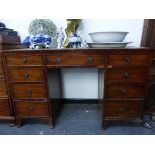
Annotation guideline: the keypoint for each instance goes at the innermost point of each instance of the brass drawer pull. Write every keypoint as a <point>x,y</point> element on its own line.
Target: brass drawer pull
<point>128,59</point>
<point>57,60</point>
<point>31,108</point>
<point>90,60</point>
<point>126,75</point>
<point>23,60</point>
<point>109,66</point>
<point>124,109</point>
<point>1,75</point>
<point>29,91</point>
<point>26,75</point>
<point>125,92</point>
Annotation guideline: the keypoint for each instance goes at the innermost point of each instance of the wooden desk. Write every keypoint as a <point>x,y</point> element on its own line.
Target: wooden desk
<point>124,72</point>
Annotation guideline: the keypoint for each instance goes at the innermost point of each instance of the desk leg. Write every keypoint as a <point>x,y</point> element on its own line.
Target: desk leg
<point>50,123</point>
<point>104,124</point>
<point>12,123</point>
<point>19,122</point>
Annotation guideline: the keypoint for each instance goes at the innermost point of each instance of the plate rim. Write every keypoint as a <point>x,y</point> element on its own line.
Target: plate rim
<point>100,43</point>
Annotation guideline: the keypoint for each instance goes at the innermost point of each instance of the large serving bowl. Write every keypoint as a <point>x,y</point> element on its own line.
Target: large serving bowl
<point>108,36</point>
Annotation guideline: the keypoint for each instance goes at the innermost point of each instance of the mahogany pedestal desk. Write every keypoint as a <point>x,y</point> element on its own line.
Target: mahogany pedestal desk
<point>123,76</point>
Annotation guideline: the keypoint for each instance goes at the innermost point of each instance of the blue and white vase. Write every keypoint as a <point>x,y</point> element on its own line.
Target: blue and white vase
<point>75,41</point>
<point>38,41</point>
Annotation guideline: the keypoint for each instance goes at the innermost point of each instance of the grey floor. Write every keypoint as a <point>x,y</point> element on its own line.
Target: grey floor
<point>77,119</point>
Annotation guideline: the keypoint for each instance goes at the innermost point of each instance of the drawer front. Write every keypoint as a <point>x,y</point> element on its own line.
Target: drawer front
<point>125,92</point>
<point>128,59</point>
<point>31,109</point>
<point>129,75</point>
<point>29,91</point>
<point>1,72</point>
<point>3,91</point>
<point>24,60</point>
<point>26,75</point>
<point>123,109</point>
<point>75,60</point>
<point>4,107</point>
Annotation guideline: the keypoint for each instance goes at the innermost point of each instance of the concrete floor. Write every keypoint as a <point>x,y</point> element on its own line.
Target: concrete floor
<point>77,119</point>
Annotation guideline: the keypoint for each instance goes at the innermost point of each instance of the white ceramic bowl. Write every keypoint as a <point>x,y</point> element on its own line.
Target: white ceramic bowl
<point>108,36</point>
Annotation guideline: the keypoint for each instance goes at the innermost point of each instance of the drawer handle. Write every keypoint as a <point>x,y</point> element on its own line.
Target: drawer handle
<point>109,66</point>
<point>128,59</point>
<point>125,92</point>
<point>131,111</point>
<point>26,75</point>
<point>90,60</point>
<point>29,91</point>
<point>124,110</point>
<point>57,60</point>
<point>23,60</point>
<point>126,75</point>
<point>31,108</point>
<point>1,75</point>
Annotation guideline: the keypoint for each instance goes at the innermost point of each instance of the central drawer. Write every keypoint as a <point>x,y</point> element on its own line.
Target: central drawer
<point>31,109</point>
<point>26,75</point>
<point>24,60</point>
<point>125,92</point>
<point>127,74</point>
<point>28,91</point>
<point>3,91</point>
<point>75,60</point>
<point>128,59</point>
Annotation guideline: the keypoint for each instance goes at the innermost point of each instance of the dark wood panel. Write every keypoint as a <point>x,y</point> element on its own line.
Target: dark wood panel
<point>148,35</point>
<point>6,111</point>
<point>31,109</point>
<point>26,75</point>
<point>125,92</point>
<point>29,91</point>
<point>24,60</point>
<point>148,40</point>
<point>10,46</point>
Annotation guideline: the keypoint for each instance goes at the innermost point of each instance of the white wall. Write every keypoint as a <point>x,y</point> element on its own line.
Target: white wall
<point>134,27</point>
<point>83,83</point>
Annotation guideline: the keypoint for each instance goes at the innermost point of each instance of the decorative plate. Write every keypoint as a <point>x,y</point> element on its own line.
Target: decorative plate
<point>108,45</point>
<point>43,26</point>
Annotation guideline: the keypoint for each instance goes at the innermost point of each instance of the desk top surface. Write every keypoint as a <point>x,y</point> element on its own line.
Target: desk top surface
<point>81,50</point>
